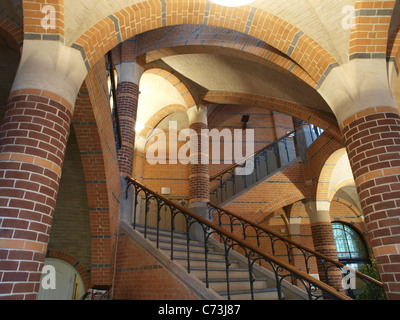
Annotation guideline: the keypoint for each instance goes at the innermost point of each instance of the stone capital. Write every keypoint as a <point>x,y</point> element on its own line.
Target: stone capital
<point>51,66</point>
<point>198,114</point>
<point>129,72</point>
<point>358,85</point>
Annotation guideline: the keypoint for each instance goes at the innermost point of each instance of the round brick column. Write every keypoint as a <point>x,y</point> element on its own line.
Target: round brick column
<point>33,137</point>
<point>199,176</point>
<point>324,243</point>
<point>372,139</point>
<point>127,101</point>
<point>129,74</point>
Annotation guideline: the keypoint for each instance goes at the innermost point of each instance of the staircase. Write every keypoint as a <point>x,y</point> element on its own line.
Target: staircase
<point>215,262</point>
<point>239,284</point>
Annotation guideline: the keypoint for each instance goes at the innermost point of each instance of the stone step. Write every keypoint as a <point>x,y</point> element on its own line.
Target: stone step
<point>218,272</point>
<point>200,262</point>
<point>259,294</point>
<point>238,276</point>
<point>195,252</point>
<point>220,285</point>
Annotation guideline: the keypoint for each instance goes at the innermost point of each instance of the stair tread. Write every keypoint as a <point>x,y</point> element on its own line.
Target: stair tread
<point>201,259</point>
<point>236,292</point>
<point>217,269</point>
<point>193,251</point>
<point>137,225</point>
<point>192,242</point>
<point>232,279</point>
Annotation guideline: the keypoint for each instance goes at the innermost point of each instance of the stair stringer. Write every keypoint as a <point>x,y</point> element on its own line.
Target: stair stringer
<point>292,292</point>
<point>176,270</point>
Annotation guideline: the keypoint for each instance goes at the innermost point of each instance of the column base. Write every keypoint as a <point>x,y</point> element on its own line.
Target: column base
<point>201,209</point>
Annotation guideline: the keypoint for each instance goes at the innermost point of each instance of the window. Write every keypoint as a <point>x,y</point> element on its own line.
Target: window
<point>350,246</point>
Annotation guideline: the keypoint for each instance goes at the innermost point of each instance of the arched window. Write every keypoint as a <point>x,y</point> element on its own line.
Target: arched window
<point>350,246</point>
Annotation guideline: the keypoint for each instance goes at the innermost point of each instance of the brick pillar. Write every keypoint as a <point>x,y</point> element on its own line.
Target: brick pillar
<point>372,139</point>
<point>127,101</point>
<point>129,74</point>
<point>324,243</point>
<point>199,175</point>
<point>33,138</point>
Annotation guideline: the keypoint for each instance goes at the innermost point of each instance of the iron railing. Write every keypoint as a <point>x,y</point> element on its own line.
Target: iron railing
<point>157,208</point>
<point>228,182</point>
<point>274,156</point>
<point>272,242</point>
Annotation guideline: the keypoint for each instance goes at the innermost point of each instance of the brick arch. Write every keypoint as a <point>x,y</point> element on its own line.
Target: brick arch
<point>153,14</point>
<point>357,212</point>
<point>369,36</point>
<point>322,193</point>
<point>87,126</point>
<point>11,34</point>
<point>178,84</point>
<point>295,110</point>
<point>159,116</point>
<point>181,40</point>
<point>72,261</point>
<point>285,200</point>
<point>338,186</point>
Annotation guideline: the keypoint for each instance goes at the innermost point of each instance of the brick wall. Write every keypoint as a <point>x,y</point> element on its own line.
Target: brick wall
<point>139,276</point>
<point>93,127</point>
<point>70,231</point>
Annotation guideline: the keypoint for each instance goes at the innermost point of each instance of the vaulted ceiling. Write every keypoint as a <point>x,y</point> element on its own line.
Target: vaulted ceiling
<point>211,58</point>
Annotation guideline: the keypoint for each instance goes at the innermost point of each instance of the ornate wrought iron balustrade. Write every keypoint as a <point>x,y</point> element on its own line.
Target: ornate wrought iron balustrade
<point>158,211</point>
<point>286,249</point>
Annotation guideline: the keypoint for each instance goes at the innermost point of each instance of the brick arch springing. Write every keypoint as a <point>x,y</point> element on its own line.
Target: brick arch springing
<point>149,15</point>
<point>286,200</point>
<point>369,35</point>
<point>11,33</point>
<point>295,110</point>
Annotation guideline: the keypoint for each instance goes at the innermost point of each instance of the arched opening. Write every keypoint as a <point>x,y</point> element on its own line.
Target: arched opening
<point>350,246</point>
<point>61,282</point>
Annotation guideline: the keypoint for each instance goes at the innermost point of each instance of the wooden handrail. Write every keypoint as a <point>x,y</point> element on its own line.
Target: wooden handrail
<point>336,263</point>
<point>251,156</point>
<point>323,286</point>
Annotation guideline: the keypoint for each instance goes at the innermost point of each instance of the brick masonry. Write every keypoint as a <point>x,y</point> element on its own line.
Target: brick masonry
<point>199,175</point>
<point>324,243</point>
<point>128,22</point>
<point>138,276</point>
<point>372,140</point>
<point>33,138</point>
<point>127,101</point>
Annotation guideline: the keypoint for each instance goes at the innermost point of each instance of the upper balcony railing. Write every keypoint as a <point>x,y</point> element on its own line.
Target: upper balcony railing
<point>269,159</point>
